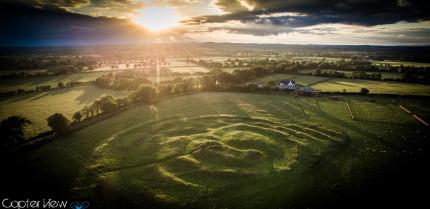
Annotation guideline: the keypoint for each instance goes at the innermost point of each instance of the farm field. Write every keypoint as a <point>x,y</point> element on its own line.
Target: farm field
<point>398,63</point>
<point>300,79</point>
<point>188,69</point>
<point>166,78</point>
<point>176,65</point>
<point>232,69</point>
<point>377,87</point>
<point>31,83</point>
<point>232,150</point>
<point>39,106</point>
<point>326,84</point>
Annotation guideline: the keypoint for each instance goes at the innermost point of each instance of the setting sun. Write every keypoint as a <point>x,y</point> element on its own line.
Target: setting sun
<point>157,18</point>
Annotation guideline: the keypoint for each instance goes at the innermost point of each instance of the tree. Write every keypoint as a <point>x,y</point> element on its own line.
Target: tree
<point>164,90</point>
<point>60,85</point>
<point>96,107</point>
<point>108,103</point>
<point>208,82</point>
<point>364,91</point>
<point>86,112</point>
<point>121,102</point>
<point>271,83</point>
<point>12,130</point>
<point>317,72</point>
<point>77,116</point>
<point>59,123</point>
<point>145,93</point>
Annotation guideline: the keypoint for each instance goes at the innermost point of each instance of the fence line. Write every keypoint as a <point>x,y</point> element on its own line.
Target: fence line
<point>413,115</point>
<point>349,109</point>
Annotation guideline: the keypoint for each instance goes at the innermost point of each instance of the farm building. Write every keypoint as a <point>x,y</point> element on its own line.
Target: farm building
<point>286,85</point>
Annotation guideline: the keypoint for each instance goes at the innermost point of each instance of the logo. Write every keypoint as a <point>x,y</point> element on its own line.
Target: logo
<point>79,205</point>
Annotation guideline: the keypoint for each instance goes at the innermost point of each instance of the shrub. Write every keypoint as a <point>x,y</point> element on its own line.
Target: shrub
<point>364,91</point>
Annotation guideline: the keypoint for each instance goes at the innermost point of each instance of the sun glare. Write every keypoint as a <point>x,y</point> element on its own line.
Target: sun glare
<point>157,18</point>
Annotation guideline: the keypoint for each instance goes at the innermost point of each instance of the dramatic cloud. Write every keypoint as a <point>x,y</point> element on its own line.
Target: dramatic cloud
<point>109,8</point>
<point>385,22</point>
<point>359,12</point>
<point>390,34</point>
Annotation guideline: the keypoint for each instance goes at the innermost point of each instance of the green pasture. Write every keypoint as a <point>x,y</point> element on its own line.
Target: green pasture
<point>377,87</point>
<point>39,106</point>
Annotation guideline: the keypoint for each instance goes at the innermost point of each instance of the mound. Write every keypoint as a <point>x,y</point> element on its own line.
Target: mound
<point>179,159</point>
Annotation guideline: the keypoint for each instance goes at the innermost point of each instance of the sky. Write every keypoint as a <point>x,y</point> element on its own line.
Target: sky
<point>323,22</point>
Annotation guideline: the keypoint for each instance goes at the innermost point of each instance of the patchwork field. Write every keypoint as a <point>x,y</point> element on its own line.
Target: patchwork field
<point>232,150</point>
<point>39,106</point>
<point>326,84</point>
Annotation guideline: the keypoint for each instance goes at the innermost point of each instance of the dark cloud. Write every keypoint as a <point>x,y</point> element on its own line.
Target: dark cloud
<point>359,12</point>
<point>51,3</point>
<point>110,3</point>
<point>25,25</point>
<point>66,3</point>
<point>76,4</point>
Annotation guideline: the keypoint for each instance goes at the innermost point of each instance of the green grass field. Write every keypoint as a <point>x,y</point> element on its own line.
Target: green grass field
<point>327,84</point>
<point>39,106</point>
<point>377,87</point>
<point>31,83</point>
<point>232,150</point>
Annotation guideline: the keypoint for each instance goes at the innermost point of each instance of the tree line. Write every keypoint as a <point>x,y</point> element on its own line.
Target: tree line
<point>42,88</point>
<point>360,69</point>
